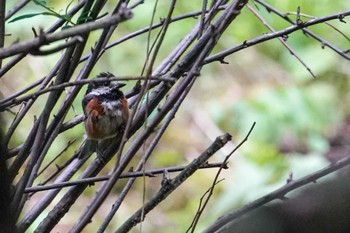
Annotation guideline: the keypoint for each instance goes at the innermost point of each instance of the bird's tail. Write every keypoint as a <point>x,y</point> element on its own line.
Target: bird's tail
<point>88,147</point>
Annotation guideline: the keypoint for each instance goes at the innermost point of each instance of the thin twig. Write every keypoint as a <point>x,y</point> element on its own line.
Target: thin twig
<point>45,200</point>
<point>59,169</point>
<point>328,24</point>
<point>200,205</point>
<point>323,42</point>
<point>12,102</point>
<point>2,25</point>
<point>71,142</point>
<point>133,174</point>
<point>282,40</point>
<point>202,19</point>
<point>71,42</point>
<point>44,39</point>
<point>51,29</point>
<point>257,40</point>
<point>16,8</point>
<point>201,208</point>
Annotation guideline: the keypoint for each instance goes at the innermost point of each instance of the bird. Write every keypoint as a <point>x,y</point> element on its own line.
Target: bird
<point>106,112</point>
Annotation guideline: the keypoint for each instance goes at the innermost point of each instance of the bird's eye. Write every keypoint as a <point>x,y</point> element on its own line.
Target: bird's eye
<point>106,83</point>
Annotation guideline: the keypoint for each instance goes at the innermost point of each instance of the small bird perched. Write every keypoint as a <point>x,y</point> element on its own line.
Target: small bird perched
<point>106,112</point>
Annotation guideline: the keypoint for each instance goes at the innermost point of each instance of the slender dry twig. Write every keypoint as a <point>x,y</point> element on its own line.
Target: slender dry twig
<point>53,28</point>
<point>154,26</point>
<point>71,142</point>
<point>12,102</point>
<point>133,174</point>
<point>206,193</point>
<point>44,39</point>
<point>308,32</point>
<point>215,181</point>
<point>16,8</point>
<point>2,25</point>
<point>248,43</point>
<point>282,40</point>
<point>328,24</point>
<point>59,169</point>
<point>34,212</point>
<point>202,19</point>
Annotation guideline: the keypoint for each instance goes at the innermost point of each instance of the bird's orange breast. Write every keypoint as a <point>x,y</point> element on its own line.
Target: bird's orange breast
<point>93,111</point>
<point>94,108</point>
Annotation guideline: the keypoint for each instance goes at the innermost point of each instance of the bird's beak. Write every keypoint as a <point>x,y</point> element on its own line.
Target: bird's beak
<point>119,85</point>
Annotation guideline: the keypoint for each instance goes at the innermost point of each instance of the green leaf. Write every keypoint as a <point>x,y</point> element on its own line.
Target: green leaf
<point>40,2</point>
<point>26,16</point>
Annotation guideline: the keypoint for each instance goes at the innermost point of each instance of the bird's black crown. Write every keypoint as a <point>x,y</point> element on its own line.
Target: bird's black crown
<point>95,85</point>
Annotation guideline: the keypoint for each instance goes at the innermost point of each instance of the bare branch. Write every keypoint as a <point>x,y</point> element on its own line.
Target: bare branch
<point>305,30</point>
<point>9,102</point>
<point>133,174</point>
<point>2,25</point>
<point>248,43</point>
<point>282,40</point>
<point>277,194</point>
<point>215,181</point>
<point>15,9</point>
<point>171,185</point>
<point>44,39</point>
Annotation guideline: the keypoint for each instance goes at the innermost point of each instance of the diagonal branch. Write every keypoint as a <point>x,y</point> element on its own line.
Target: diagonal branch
<point>282,40</point>
<point>216,180</point>
<point>133,174</point>
<point>277,194</point>
<point>170,185</point>
<point>44,39</point>
<point>257,40</point>
<point>308,32</point>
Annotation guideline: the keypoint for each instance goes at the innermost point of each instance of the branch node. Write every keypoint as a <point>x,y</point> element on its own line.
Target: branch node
<point>245,44</point>
<point>341,18</point>
<point>42,37</point>
<point>285,37</point>
<point>125,12</point>
<point>222,61</point>
<point>290,178</point>
<point>166,178</point>
<point>225,165</point>
<point>161,20</point>
<point>299,22</point>
<point>284,198</point>
<point>34,32</point>
<point>137,87</point>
